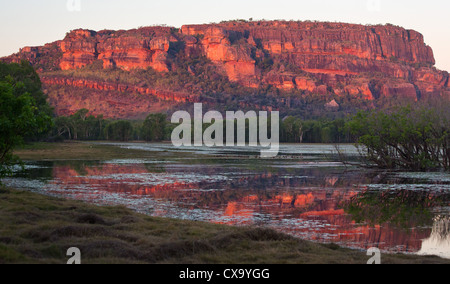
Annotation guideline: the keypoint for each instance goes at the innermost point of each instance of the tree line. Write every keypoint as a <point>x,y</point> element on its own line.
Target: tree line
<point>157,128</point>
<point>85,126</point>
<point>414,138</point>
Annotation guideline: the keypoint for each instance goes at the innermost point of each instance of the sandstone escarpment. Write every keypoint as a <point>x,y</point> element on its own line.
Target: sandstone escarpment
<point>124,50</point>
<point>327,59</point>
<point>113,100</point>
<point>79,49</point>
<point>216,44</point>
<point>124,88</point>
<point>330,52</point>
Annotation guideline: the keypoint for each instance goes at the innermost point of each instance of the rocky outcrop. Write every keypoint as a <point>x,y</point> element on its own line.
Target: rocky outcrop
<point>125,50</point>
<point>113,100</point>
<point>79,49</point>
<point>333,59</point>
<point>401,89</point>
<point>336,54</point>
<point>216,44</point>
<point>132,53</point>
<point>109,86</point>
<point>43,58</point>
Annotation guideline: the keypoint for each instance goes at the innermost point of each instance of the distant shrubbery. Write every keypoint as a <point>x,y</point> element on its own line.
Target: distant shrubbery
<point>119,131</point>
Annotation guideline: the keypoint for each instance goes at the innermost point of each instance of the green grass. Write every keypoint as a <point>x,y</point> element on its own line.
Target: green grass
<point>39,229</point>
<point>75,151</point>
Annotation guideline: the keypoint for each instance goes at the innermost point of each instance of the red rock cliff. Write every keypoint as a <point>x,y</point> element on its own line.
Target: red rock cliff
<point>113,100</point>
<point>333,53</point>
<point>317,58</point>
<point>126,50</point>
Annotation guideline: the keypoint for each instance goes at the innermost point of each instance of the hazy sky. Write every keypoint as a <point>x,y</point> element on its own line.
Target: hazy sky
<point>36,22</point>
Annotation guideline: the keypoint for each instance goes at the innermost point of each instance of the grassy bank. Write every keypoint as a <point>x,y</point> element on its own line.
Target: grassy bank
<point>39,229</point>
<point>75,151</point>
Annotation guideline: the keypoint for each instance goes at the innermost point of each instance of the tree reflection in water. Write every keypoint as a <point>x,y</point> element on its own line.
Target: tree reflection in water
<point>402,208</point>
<point>405,209</point>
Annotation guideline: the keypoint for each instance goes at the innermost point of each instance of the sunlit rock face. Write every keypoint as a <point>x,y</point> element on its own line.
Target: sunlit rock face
<point>324,59</point>
<point>332,52</point>
<point>113,100</point>
<point>79,49</point>
<point>116,49</point>
<point>235,59</point>
<point>133,53</point>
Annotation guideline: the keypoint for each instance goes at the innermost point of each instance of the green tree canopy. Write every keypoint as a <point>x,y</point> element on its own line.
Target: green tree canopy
<point>119,131</point>
<point>154,127</point>
<point>407,138</point>
<point>24,79</point>
<point>24,113</point>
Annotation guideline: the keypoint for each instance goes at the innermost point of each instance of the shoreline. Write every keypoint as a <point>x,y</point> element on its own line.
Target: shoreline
<point>279,248</point>
<point>39,229</point>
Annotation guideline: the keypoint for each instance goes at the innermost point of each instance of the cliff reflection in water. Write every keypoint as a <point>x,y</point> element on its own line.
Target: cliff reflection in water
<point>320,204</point>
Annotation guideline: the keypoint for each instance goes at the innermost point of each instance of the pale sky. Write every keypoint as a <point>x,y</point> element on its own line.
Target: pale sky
<point>36,22</point>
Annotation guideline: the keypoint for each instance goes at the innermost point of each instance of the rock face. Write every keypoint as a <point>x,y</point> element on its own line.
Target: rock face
<point>79,49</point>
<point>333,59</point>
<point>331,52</point>
<point>124,88</point>
<point>113,100</point>
<point>216,44</point>
<point>116,49</point>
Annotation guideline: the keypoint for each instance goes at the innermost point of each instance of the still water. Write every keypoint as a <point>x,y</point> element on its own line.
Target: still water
<point>305,192</point>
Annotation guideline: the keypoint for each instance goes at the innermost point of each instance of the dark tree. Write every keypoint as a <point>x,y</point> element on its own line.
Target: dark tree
<point>407,138</point>
<point>154,127</point>
<point>24,112</point>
